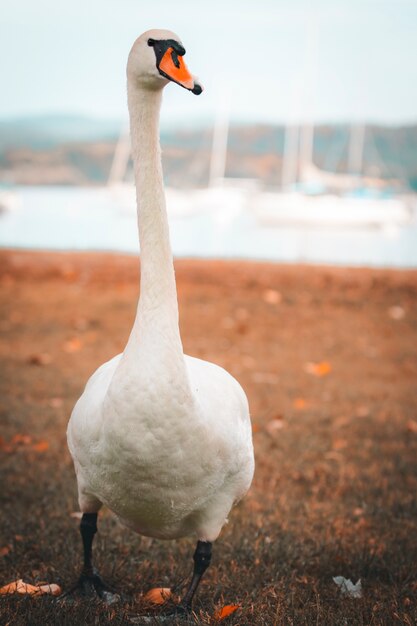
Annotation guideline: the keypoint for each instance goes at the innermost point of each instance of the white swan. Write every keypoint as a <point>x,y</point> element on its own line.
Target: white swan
<point>161,438</point>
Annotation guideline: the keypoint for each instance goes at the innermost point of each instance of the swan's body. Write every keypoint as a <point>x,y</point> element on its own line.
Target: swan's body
<point>162,439</point>
<point>168,462</point>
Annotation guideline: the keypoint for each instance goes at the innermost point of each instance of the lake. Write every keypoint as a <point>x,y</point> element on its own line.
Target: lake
<point>70,218</point>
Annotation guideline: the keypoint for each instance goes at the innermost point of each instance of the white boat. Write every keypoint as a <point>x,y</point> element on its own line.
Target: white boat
<point>329,210</point>
<point>8,200</point>
<point>329,199</point>
<point>223,197</point>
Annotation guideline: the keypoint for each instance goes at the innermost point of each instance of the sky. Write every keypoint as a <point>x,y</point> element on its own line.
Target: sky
<point>276,61</point>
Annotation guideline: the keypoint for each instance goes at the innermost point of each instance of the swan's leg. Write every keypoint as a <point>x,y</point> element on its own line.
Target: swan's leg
<point>202,558</point>
<point>88,528</point>
<point>90,583</point>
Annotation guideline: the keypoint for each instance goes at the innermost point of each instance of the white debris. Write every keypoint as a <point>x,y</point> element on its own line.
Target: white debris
<point>348,588</point>
<point>396,312</point>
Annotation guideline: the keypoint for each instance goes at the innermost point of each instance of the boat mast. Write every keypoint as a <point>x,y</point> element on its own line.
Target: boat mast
<point>220,140</point>
<point>120,159</point>
<point>356,148</point>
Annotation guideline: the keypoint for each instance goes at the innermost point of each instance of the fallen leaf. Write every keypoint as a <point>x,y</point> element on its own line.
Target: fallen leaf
<point>41,446</point>
<point>339,444</point>
<point>225,611</point>
<point>51,588</point>
<point>303,579</point>
<point>158,595</point>
<point>272,296</point>
<point>39,359</point>
<point>18,586</point>
<point>73,345</point>
<point>275,424</point>
<point>396,312</point>
<point>4,551</point>
<point>299,404</point>
<point>318,369</point>
<point>348,588</point>
<point>56,402</point>
<point>412,426</point>
<point>25,440</point>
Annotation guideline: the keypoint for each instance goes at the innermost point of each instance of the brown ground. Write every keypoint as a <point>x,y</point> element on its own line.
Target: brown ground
<point>328,359</point>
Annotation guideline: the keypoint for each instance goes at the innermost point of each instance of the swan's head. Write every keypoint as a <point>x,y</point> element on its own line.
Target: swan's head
<point>156,58</point>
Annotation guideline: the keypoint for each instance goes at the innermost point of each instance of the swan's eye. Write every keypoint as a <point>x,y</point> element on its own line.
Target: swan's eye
<point>151,42</point>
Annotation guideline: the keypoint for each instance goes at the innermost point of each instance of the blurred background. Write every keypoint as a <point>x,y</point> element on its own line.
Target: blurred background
<point>303,146</point>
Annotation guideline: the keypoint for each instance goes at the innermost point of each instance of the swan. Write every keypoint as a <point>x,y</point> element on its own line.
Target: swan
<point>162,439</point>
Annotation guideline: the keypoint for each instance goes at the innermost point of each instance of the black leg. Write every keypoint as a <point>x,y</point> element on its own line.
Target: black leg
<point>88,528</point>
<point>202,558</point>
<point>90,583</point>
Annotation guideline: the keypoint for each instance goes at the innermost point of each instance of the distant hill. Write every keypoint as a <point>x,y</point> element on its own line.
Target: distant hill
<point>47,131</point>
<point>77,150</point>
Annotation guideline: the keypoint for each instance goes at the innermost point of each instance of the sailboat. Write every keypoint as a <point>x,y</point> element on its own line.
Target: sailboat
<point>9,200</point>
<point>224,198</point>
<point>312,197</point>
<point>122,190</point>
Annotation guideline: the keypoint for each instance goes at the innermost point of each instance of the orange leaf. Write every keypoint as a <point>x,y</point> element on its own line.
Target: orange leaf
<point>4,551</point>
<point>412,426</point>
<point>318,369</point>
<point>158,595</point>
<point>23,439</point>
<point>339,444</point>
<point>299,403</point>
<point>18,586</point>
<point>52,588</point>
<point>73,345</point>
<point>41,446</point>
<point>225,611</point>
<point>272,296</point>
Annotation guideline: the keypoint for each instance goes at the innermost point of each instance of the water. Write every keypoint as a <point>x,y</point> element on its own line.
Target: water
<point>68,218</point>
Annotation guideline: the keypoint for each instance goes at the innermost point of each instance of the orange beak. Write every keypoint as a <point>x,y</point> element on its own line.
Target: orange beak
<point>173,67</point>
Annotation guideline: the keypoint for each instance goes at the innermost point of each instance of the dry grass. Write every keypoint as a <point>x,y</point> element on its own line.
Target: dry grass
<point>336,481</point>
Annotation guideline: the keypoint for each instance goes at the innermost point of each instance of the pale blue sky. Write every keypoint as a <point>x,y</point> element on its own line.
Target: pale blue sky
<point>276,60</point>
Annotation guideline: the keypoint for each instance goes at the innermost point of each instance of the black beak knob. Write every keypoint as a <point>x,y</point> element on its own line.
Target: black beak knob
<point>197,89</point>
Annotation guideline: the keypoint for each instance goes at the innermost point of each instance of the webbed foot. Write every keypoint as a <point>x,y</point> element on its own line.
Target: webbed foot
<point>91,586</point>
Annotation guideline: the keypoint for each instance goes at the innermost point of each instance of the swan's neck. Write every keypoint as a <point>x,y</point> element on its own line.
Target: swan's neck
<point>157,315</point>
